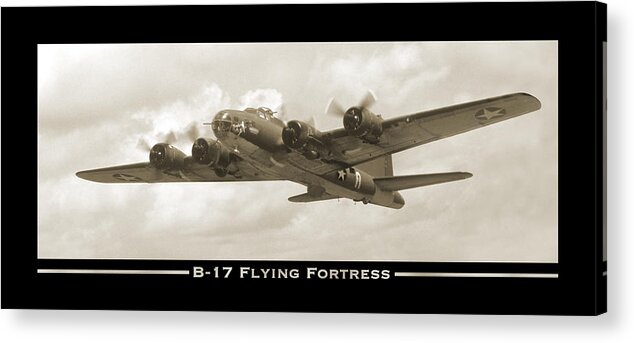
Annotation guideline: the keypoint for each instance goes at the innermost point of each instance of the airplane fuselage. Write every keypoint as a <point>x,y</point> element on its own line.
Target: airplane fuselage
<point>256,137</point>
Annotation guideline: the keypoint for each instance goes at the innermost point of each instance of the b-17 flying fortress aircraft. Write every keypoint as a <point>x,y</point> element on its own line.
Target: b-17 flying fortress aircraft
<point>353,162</point>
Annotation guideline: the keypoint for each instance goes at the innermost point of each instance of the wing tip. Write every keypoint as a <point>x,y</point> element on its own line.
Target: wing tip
<point>465,175</point>
<point>85,175</point>
<point>537,104</point>
<point>81,174</point>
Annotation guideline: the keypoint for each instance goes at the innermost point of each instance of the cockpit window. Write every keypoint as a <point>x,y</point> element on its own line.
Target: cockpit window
<point>262,112</point>
<point>251,110</point>
<point>265,112</point>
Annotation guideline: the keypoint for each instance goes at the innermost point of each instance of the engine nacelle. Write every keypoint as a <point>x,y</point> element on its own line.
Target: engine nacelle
<point>210,152</point>
<point>164,156</point>
<point>361,122</point>
<point>297,136</point>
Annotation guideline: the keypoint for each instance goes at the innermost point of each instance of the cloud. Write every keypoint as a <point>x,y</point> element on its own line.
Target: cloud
<point>262,97</point>
<point>395,71</point>
<point>271,98</point>
<point>181,116</point>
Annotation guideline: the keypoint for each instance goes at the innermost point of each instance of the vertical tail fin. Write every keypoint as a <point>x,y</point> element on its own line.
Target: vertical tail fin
<point>378,167</point>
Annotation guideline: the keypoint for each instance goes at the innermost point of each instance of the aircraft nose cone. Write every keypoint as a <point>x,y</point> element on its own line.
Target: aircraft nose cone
<point>221,124</point>
<point>223,116</point>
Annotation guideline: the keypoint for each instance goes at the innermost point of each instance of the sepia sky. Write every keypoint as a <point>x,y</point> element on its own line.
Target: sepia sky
<point>97,101</point>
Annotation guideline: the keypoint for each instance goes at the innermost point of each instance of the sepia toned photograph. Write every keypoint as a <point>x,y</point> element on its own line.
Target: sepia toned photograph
<point>387,151</point>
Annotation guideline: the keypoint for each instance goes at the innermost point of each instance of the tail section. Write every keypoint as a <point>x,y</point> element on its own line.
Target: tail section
<point>397,183</point>
<point>379,178</point>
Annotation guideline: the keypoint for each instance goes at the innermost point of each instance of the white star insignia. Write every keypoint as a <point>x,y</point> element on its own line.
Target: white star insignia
<point>490,113</point>
<point>127,178</point>
<point>341,175</point>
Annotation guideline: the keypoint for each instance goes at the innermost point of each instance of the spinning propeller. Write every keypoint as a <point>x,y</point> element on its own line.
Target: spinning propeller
<point>190,133</point>
<point>334,108</point>
<point>162,155</point>
<point>353,117</point>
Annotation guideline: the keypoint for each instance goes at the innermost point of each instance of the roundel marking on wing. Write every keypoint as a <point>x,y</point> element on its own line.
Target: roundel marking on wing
<point>127,178</point>
<point>489,113</point>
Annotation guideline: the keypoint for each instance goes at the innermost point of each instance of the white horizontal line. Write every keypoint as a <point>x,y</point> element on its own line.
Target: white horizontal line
<point>283,260</point>
<point>113,271</point>
<point>502,275</point>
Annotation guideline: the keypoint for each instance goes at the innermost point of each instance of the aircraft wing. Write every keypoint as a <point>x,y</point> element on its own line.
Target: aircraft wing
<point>145,173</point>
<point>415,129</point>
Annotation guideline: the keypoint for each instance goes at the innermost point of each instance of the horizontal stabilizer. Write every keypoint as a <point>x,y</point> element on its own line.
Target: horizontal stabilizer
<point>308,198</point>
<point>397,183</point>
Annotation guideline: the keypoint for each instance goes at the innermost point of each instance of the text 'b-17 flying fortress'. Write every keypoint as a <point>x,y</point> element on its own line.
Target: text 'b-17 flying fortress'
<point>353,162</point>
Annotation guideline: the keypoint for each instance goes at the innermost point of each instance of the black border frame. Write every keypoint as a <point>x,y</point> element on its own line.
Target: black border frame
<point>580,288</point>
